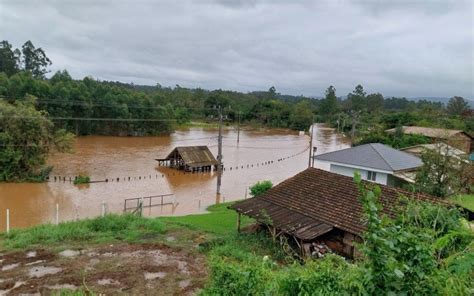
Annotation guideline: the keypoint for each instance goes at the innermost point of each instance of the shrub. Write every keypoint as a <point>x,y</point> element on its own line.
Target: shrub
<point>82,180</point>
<point>230,278</point>
<point>321,277</point>
<point>260,187</point>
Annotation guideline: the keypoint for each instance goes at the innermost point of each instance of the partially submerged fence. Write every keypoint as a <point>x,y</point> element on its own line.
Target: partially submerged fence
<point>136,205</point>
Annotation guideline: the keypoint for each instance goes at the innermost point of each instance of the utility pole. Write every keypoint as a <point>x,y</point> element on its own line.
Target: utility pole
<point>219,152</point>
<point>314,152</point>
<point>238,130</point>
<point>310,145</point>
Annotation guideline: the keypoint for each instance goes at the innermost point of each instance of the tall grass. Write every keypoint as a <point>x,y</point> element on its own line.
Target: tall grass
<point>103,229</point>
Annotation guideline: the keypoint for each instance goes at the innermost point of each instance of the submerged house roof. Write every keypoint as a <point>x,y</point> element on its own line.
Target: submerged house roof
<point>439,133</point>
<point>194,156</point>
<point>314,202</point>
<point>374,156</point>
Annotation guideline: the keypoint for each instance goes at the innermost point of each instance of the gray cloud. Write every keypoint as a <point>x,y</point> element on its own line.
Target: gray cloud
<point>403,48</point>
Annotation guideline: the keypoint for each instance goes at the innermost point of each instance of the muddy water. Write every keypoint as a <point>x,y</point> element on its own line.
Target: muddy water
<point>126,157</point>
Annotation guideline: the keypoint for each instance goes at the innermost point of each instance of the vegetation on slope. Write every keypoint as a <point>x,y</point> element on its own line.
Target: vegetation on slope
<point>427,250</point>
<point>464,200</point>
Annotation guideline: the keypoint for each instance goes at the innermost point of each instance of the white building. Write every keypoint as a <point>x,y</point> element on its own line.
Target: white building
<point>375,162</point>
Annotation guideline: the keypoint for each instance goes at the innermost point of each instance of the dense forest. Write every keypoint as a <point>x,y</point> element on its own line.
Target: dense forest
<point>90,106</point>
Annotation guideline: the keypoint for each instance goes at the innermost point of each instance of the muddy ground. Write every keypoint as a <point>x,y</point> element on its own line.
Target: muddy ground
<point>132,269</point>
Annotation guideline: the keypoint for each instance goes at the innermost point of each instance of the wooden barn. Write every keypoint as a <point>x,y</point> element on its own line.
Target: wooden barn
<point>318,207</point>
<point>190,159</point>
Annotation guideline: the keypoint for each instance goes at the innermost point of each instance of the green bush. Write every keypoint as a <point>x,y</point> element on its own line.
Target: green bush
<point>393,140</point>
<point>82,180</point>
<point>230,278</point>
<point>321,277</point>
<point>260,187</point>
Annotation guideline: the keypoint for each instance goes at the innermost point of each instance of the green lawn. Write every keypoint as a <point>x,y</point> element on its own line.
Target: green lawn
<point>220,220</point>
<point>465,200</point>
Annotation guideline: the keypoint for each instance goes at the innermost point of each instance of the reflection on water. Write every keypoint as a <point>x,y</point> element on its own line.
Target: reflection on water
<point>126,157</point>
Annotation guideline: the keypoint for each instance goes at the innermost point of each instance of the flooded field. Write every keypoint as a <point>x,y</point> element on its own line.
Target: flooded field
<point>129,165</point>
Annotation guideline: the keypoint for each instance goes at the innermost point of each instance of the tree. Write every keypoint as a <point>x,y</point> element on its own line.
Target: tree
<point>34,60</point>
<point>301,117</point>
<point>272,93</point>
<point>329,104</point>
<point>441,173</point>
<point>9,58</point>
<point>457,105</point>
<point>26,138</point>
<point>356,100</point>
<point>375,102</point>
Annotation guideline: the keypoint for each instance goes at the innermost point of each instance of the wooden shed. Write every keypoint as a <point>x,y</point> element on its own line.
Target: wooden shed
<point>190,159</point>
<point>319,206</point>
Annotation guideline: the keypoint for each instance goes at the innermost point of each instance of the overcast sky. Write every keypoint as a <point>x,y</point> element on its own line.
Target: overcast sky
<point>401,48</point>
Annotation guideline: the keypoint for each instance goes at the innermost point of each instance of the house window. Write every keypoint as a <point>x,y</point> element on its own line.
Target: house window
<point>371,176</point>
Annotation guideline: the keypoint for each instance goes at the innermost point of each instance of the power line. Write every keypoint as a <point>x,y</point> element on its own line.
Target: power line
<point>92,104</point>
<point>91,119</point>
<point>45,145</point>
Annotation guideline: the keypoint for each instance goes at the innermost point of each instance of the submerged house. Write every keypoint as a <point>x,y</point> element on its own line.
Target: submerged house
<point>375,162</point>
<point>190,159</point>
<point>455,138</point>
<point>319,206</point>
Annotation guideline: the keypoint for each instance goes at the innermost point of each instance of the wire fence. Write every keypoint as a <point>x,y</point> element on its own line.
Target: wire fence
<point>154,176</point>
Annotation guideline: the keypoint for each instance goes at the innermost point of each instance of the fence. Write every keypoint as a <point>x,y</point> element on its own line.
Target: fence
<point>130,205</point>
<point>140,202</point>
<point>153,175</point>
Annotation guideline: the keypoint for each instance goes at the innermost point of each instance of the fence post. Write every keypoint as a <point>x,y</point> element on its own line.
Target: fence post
<point>140,205</point>
<point>8,220</point>
<point>57,214</point>
<point>103,208</point>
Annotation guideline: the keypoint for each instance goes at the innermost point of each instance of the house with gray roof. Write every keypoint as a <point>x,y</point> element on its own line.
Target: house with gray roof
<point>375,162</point>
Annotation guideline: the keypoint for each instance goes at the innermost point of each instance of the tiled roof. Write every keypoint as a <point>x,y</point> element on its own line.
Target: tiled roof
<point>429,132</point>
<point>375,156</point>
<point>328,199</point>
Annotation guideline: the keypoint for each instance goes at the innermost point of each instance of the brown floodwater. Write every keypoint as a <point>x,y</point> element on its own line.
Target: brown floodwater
<point>132,161</point>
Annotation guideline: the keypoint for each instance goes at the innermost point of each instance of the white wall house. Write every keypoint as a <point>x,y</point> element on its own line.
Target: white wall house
<point>375,162</point>
<point>376,176</point>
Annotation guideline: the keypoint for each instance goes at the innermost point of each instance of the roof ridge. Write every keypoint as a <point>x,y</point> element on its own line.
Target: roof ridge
<point>383,158</point>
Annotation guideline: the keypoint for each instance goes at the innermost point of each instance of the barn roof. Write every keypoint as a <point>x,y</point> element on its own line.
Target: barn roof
<point>439,133</point>
<point>375,155</point>
<point>315,201</point>
<point>195,156</point>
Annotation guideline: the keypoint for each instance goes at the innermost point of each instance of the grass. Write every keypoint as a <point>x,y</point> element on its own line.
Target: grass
<point>464,200</point>
<point>218,222</point>
<point>98,230</point>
